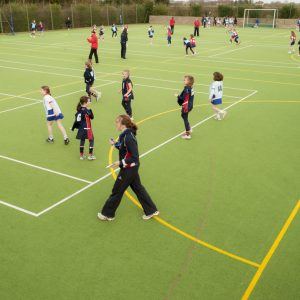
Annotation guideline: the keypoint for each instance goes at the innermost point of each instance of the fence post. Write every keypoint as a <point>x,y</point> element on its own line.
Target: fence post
<point>122,14</point>
<point>1,26</point>
<point>28,24</point>
<point>107,15</point>
<point>12,26</point>
<point>52,26</point>
<point>72,15</point>
<point>136,13</point>
<point>91,14</point>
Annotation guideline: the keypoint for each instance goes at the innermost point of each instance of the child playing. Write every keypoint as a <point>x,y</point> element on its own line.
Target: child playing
<point>33,29</point>
<point>101,33</point>
<point>114,31</point>
<point>41,28</point>
<point>193,42</point>
<point>82,122</point>
<point>53,114</point>
<point>234,36</point>
<point>186,101</point>
<point>127,93</point>
<point>188,46</point>
<point>215,95</point>
<point>151,34</point>
<point>292,42</point>
<point>89,79</point>
<point>169,35</point>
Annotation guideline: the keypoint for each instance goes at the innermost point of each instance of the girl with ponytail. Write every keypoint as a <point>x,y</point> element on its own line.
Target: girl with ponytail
<point>83,123</point>
<point>128,176</point>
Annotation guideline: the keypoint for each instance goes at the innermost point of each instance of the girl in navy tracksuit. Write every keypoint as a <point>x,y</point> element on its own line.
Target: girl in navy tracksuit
<point>127,93</point>
<point>186,101</point>
<point>128,176</point>
<point>83,123</point>
<point>89,79</point>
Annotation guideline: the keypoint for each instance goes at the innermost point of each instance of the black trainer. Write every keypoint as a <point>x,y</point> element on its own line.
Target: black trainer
<point>51,141</point>
<point>67,141</point>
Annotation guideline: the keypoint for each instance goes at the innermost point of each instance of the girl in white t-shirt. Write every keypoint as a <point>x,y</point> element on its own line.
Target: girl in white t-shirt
<point>53,114</point>
<point>216,94</point>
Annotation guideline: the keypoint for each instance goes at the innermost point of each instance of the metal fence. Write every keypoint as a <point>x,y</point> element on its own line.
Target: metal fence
<point>19,16</point>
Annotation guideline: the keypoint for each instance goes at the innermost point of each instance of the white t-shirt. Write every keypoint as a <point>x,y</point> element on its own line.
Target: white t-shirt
<point>216,90</point>
<point>51,106</point>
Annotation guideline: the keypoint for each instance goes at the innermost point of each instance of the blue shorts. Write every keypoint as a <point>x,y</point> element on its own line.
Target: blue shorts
<point>216,101</point>
<point>55,118</point>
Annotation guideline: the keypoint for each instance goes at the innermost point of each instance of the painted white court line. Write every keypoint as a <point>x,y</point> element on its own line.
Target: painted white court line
<point>133,76</point>
<point>142,155</point>
<point>58,97</point>
<point>18,107</point>
<point>26,211</point>
<point>42,72</point>
<point>21,97</point>
<point>226,52</point>
<point>73,195</point>
<point>173,89</point>
<point>204,58</point>
<point>43,169</point>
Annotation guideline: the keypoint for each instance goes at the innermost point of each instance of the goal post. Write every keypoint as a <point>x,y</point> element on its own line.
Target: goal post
<point>256,17</point>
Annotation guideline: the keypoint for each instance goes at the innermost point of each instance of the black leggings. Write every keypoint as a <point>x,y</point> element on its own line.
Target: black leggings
<point>196,31</point>
<point>114,33</point>
<point>187,47</point>
<point>128,177</point>
<point>127,107</point>
<point>123,50</point>
<point>185,117</point>
<point>91,146</point>
<point>94,51</point>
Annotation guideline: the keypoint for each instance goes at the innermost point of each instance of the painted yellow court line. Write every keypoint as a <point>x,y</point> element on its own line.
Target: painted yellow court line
<point>172,227</point>
<point>270,253</point>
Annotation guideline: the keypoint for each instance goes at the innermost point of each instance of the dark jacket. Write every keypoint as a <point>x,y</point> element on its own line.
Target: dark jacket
<point>124,36</point>
<point>89,76</point>
<point>125,88</point>
<point>83,123</point>
<point>128,149</point>
<point>186,99</point>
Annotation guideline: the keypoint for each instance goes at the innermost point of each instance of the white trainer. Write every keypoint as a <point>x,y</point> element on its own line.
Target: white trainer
<point>99,95</point>
<point>104,218</point>
<point>150,216</point>
<point>186,137</point>
<point>91,157</point>
<point>224,113</point>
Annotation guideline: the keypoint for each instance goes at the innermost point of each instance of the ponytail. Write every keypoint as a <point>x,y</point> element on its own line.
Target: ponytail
<point>46,89</point>
<point>126,121</point>
<point>82,100</point>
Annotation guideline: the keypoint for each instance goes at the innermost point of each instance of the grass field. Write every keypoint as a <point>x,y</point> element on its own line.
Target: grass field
<point>228,198</point>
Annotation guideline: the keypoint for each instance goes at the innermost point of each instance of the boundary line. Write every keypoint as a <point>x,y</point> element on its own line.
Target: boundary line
<point>43,169</point>
<point>35,91</point>
<point>23,210</point>
<point>237,49</point>
<point>272,250</point>
<point>58,97</point>
<point>117,74</point>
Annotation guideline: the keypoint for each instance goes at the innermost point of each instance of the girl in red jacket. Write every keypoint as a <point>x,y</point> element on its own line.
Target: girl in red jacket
<point>93,40</point>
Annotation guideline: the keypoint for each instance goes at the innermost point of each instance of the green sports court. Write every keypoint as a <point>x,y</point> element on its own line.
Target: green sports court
<point>228,198</point>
